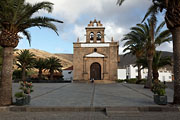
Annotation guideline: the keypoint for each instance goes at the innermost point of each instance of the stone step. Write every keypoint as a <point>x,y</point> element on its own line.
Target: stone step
<point>104,81</point>
<point>122,111</point>
<point>111,111</point>
<point>95,81</point>
<point>54,109</point>
<point>135,111</point>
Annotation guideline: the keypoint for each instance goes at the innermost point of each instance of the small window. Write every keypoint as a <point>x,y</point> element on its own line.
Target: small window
<point>95,49</point>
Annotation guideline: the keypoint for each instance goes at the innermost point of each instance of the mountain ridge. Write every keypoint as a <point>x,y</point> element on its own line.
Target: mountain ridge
<point>44,54</point>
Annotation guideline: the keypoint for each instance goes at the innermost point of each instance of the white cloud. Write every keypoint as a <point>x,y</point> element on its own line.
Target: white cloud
<point>111,30</point>
<point>71,10</point>
<point>80,32</point>
<point>117,20</point>
<point>166,47</point>
<point>114,31</point>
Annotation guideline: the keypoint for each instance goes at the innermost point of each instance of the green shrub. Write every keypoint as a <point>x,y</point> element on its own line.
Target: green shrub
<point>132,80</point>
<point>121,80</point>
<point>17,74</point>
<point>141,81</point>
<point>19,95</point>
<point>159,89</point>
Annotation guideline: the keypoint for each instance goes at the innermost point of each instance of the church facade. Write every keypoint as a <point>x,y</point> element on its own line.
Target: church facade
<point>95,58</point>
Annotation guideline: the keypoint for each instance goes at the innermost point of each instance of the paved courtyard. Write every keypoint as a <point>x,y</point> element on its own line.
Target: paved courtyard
<point>64,95</point>
<point>91,95</point>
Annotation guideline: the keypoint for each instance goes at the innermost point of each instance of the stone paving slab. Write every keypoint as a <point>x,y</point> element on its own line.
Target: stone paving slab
<point>147,92</point>
<point>119,95</point>
<point>91,95</point>
<point>70,95</point>
<point>40,88</point>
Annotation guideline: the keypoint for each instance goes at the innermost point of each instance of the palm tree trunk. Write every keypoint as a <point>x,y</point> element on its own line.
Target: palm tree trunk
<point>51,74</point>
<point>176,53</point>
<point>139,72</point>
<point>6,77</point>
<point>23,73</point>
<point>155,76</point>
<point>148,83</point>
<point>40,74</point>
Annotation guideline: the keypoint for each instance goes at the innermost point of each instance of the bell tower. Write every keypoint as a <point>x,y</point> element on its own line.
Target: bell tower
<point>95,32</point>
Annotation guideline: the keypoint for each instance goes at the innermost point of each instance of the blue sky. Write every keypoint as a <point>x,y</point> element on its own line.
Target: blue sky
<point>76,15</point>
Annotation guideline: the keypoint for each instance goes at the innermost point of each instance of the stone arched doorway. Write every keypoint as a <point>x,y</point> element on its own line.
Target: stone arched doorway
<point>95,71</point>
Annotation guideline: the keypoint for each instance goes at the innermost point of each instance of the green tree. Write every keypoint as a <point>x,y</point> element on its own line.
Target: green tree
<point>172,18</point>
<point>148,41</point>
<point>159,61</point>
<point>53,64</point>
<point>25,61</point>
<point>40,64</point>
<point>16,16</point>
<point>134,45</point>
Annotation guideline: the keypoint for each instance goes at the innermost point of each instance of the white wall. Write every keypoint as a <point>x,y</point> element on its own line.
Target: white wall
<point>165,75</point>
<point>132,72</point>
<point>121,73</point>
<point>68,74</point>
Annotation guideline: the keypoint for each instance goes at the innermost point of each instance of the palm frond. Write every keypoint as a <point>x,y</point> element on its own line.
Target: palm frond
<point>150,11</point>
<point>40,22</point>
<point>31,9</point>
<point>164,36</point>
<point>159,28</point>
<point>119,2</point>
<point>28,36</point>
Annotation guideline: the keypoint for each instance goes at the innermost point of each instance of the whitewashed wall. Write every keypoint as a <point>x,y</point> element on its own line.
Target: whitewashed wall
<point>68,74</point>
<point>132,72</point>
<point>121,73</point>
<point>165,75</point>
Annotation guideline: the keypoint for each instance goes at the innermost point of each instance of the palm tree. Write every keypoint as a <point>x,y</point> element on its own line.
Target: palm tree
<point>40,64</point>
<point>158,62</point>
<point>16,17</point>
<point>172,18</point>
<point>134,44</point>
<point>0,58</point>
<point>25,60</point>
<point>149,42</point>
<point>53,64</point>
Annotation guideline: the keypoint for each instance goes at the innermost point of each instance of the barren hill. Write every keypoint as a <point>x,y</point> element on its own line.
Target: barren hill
<point>131,59</point>
<point>65,56</point>
<point>43,54</point>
